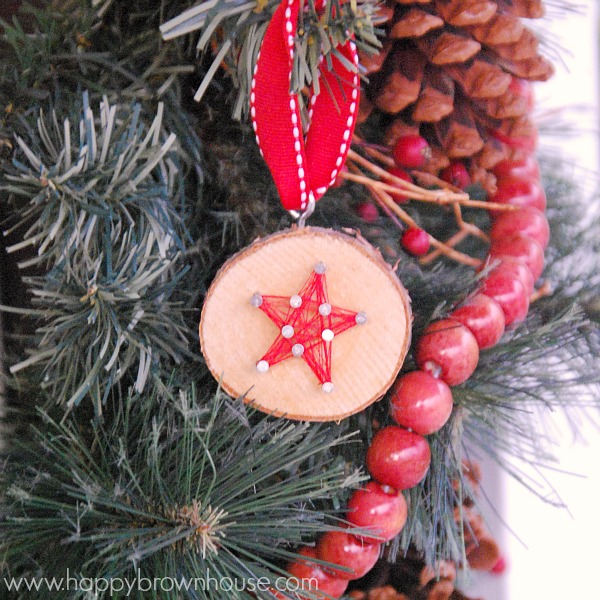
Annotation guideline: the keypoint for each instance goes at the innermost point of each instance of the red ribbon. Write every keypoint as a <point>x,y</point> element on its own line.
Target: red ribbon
<point>301,168</point>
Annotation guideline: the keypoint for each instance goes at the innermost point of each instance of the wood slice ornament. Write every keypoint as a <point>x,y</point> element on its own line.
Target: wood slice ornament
<point>308,323</point>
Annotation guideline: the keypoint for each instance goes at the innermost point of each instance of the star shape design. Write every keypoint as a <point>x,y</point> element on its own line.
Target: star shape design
<point>307,324</point>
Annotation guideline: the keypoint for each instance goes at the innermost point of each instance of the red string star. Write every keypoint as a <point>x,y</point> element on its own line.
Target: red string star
<point>307,325</point>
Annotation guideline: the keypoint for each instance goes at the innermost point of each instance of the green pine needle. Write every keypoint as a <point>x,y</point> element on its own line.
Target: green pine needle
<point>544,367</point>
<point>170,486</point>
<point>237,27</point>
<point>105,214</point>
<point>70,182</point>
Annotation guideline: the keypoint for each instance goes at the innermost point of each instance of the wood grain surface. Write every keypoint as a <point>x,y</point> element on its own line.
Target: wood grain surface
<point>365,359</point>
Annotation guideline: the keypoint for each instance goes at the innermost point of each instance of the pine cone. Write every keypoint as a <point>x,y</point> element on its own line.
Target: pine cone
<point>459,65</point>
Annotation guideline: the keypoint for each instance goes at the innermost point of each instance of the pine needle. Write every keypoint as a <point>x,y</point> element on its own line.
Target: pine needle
<point>173,484</point>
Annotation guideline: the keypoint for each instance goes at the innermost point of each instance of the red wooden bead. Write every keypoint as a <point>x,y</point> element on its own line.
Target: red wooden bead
<point>367,211</point>
<point>518,191</point>
<point>527,220</point>
<point>306,570</point>
<point>508,291</point>
<point>456,174</point>
<point>411,151</point>
<point>484,319</point>
<point>398,457</point>
<point>421,402</point>
<point>448,349</point>
<point>382,509</point>
<point>516,269</point>
<point>524,249</point>
<point>343,549</point>
<point>525,168</point>
<point>415,241</point>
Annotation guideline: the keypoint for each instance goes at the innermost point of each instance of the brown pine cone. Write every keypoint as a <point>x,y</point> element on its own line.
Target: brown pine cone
<point>458,64</point>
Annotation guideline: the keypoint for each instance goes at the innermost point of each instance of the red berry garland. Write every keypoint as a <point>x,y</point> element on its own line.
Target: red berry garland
<point>448,350</point>
<point>503,286</point>
<point>380,508</point>
<point>398,458</point>
<point>524,249</point>
<point>447,354</point>
<point>484,318</point>
<point>310,572</point>
<point>519,191</point>
<point>344,549</point>
<point>515,269</point>
<point>527,221</point>
<point>421,402</point>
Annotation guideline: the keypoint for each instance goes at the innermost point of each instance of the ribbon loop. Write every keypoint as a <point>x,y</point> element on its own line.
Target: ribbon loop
<point>301,167</point>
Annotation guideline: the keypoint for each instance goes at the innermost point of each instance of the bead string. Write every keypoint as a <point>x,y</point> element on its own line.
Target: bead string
<point>446,355</point>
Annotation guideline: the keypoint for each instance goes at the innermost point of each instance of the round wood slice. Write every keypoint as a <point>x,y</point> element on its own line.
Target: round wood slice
<point>234,335</point>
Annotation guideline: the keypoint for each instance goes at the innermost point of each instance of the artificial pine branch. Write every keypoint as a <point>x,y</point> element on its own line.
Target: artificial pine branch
<point>103,210</point>
<point>173,484</point>
<point>435,289</point>
<point>71,181</point>
<point>548,365</point>
<point>235,30</point>
<point>52,53</point>
<point>95,331</point>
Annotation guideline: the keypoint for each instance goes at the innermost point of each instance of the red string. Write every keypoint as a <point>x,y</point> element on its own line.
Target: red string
<point>302,168</point>
<point>308,326</point>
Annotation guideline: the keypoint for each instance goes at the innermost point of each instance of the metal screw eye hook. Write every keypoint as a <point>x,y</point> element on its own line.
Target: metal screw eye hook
<point>309,210</point>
